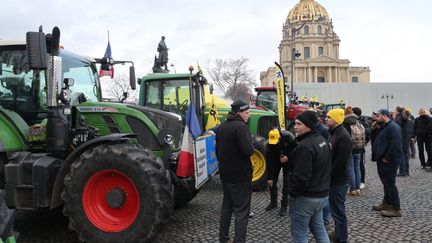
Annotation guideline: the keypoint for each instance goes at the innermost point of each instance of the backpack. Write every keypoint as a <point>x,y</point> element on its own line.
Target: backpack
<point>358,135</point>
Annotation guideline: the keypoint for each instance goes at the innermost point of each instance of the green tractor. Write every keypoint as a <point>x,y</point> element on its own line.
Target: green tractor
<point>174,92</point>
<point>110,165</point>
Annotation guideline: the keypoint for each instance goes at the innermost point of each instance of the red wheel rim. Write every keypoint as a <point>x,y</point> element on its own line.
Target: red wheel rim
<point>97,210</point>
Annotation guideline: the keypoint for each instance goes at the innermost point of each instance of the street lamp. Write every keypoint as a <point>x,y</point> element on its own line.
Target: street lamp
<point>387,96</point>
<point>294,55</point>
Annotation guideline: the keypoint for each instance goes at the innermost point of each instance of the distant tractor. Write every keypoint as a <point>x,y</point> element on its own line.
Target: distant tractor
<point>174,92</point>
<point>111,165</point>
<point>266,99</point>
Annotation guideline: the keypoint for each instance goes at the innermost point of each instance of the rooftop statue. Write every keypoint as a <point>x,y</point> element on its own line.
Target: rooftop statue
<point>161,60</point>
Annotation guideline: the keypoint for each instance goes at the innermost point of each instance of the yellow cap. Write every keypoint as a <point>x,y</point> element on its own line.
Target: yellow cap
<point>274,136</point>
<point>337,115</point>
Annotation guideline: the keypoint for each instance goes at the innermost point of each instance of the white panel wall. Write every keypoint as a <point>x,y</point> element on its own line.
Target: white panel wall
<point>367,96</point>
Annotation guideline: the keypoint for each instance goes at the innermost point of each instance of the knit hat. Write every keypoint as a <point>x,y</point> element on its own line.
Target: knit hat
<point>384,112</point>
<point>337,115</point>
<point>274,136</point>
<point>309,118</point>
<point>239,106</point>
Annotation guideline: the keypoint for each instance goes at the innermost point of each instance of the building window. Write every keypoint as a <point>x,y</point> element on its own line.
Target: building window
<point>306,30</point>
<point>321,79</point>
<point>307,53</point>
<point>354,79</point>
<point>319,29</point>
<point>320,51</point>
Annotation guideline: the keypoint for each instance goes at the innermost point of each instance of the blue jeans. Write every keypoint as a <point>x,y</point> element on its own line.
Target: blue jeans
<point>355,172</point>
<point>307,212</point>
<point>327,213</point>
<point>337,204</point>
<point>404,166</point>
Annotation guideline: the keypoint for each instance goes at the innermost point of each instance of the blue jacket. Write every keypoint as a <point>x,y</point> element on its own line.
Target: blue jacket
<point>388,143</point>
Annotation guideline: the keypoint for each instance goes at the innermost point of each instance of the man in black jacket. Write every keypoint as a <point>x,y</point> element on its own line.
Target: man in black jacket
<point>423,136</point>
<point>341,148</point>
<point>403,121</point>
<point>309,180</point>
<point>387,151</point>
<point>233,150</point>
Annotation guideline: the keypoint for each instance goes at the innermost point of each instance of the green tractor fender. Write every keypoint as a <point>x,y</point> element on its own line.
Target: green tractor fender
<point>59,185</point>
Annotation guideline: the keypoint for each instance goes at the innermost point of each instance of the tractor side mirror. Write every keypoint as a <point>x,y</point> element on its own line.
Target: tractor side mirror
<point>36,50</point>
<point>132,77</point>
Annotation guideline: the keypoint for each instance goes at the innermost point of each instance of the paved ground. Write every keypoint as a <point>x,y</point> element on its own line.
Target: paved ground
<point>198,221</point>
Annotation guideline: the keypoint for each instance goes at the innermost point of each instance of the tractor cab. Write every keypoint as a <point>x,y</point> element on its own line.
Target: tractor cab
<point>24,90</point>
<point>174,93</point>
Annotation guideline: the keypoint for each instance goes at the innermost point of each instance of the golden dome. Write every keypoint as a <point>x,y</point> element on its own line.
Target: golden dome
<point>306,10</point>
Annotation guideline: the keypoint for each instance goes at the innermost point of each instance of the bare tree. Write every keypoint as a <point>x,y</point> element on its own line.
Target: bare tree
<point>230,75</point>
<point>119,86</point>
<point>239,92</point>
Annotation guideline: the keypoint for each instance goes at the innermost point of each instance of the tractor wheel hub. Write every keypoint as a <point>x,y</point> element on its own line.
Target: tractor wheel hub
<point>115,198</point>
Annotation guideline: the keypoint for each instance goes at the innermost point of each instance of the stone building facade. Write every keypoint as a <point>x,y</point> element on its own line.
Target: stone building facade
<point>309,40</point>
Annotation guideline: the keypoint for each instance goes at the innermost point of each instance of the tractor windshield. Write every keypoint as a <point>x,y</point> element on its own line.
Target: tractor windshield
<point>24,91</point>
<point>267,99</point>
<point>85,75</point>
<point>168,95</point>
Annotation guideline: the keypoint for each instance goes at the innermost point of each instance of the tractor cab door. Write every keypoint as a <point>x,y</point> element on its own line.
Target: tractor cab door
<point>21,89</point>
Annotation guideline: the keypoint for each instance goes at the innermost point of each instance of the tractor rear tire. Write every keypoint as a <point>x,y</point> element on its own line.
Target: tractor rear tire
<point>260,164</point>
<point>117,193</point>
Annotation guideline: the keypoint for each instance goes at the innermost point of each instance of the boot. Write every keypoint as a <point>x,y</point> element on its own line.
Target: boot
<point>271,206</point>
<point>283,211</point>
<point>391,212</point>
<point>382,206</point>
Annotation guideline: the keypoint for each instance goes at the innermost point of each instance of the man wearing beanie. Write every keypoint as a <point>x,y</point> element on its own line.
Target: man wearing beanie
<point>341,147</point>
<point>309,180</point>
<point>233,150</point>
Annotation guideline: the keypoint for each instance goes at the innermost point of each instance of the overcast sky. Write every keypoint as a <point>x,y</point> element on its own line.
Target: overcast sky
<point>392,37</point>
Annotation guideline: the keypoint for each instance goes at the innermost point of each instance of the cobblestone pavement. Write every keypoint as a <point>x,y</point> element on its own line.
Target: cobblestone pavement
<point>198,221</point>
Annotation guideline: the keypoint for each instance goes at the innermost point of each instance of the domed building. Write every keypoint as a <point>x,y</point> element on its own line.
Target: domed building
<point>308,38</point>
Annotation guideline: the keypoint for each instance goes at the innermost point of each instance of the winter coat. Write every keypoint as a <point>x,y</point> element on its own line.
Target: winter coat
<point>388,143</point>
<point>311,165</point>
<point>403,123</point>
<point>285,147</point>
<point>341,149</point>
<point>233,150</point>
<point>423,126</point>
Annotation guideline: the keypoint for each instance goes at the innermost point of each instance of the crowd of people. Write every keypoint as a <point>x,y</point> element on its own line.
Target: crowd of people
<point>322,164</point>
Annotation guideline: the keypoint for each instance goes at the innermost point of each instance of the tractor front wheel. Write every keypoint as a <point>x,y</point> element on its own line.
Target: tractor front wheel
<point>117,193</point>
<point>259,163</point>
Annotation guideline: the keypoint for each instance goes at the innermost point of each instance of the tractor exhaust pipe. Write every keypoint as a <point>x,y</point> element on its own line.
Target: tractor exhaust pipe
<point>57,125</point>
<point>57,136</point>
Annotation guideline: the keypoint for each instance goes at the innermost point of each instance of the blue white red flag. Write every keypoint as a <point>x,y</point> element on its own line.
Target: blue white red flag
<point>106,68</point>
<point>192,130</point>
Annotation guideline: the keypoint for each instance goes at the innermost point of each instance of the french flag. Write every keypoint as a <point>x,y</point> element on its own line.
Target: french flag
<point>192,130</point>
<point>106,68</point>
